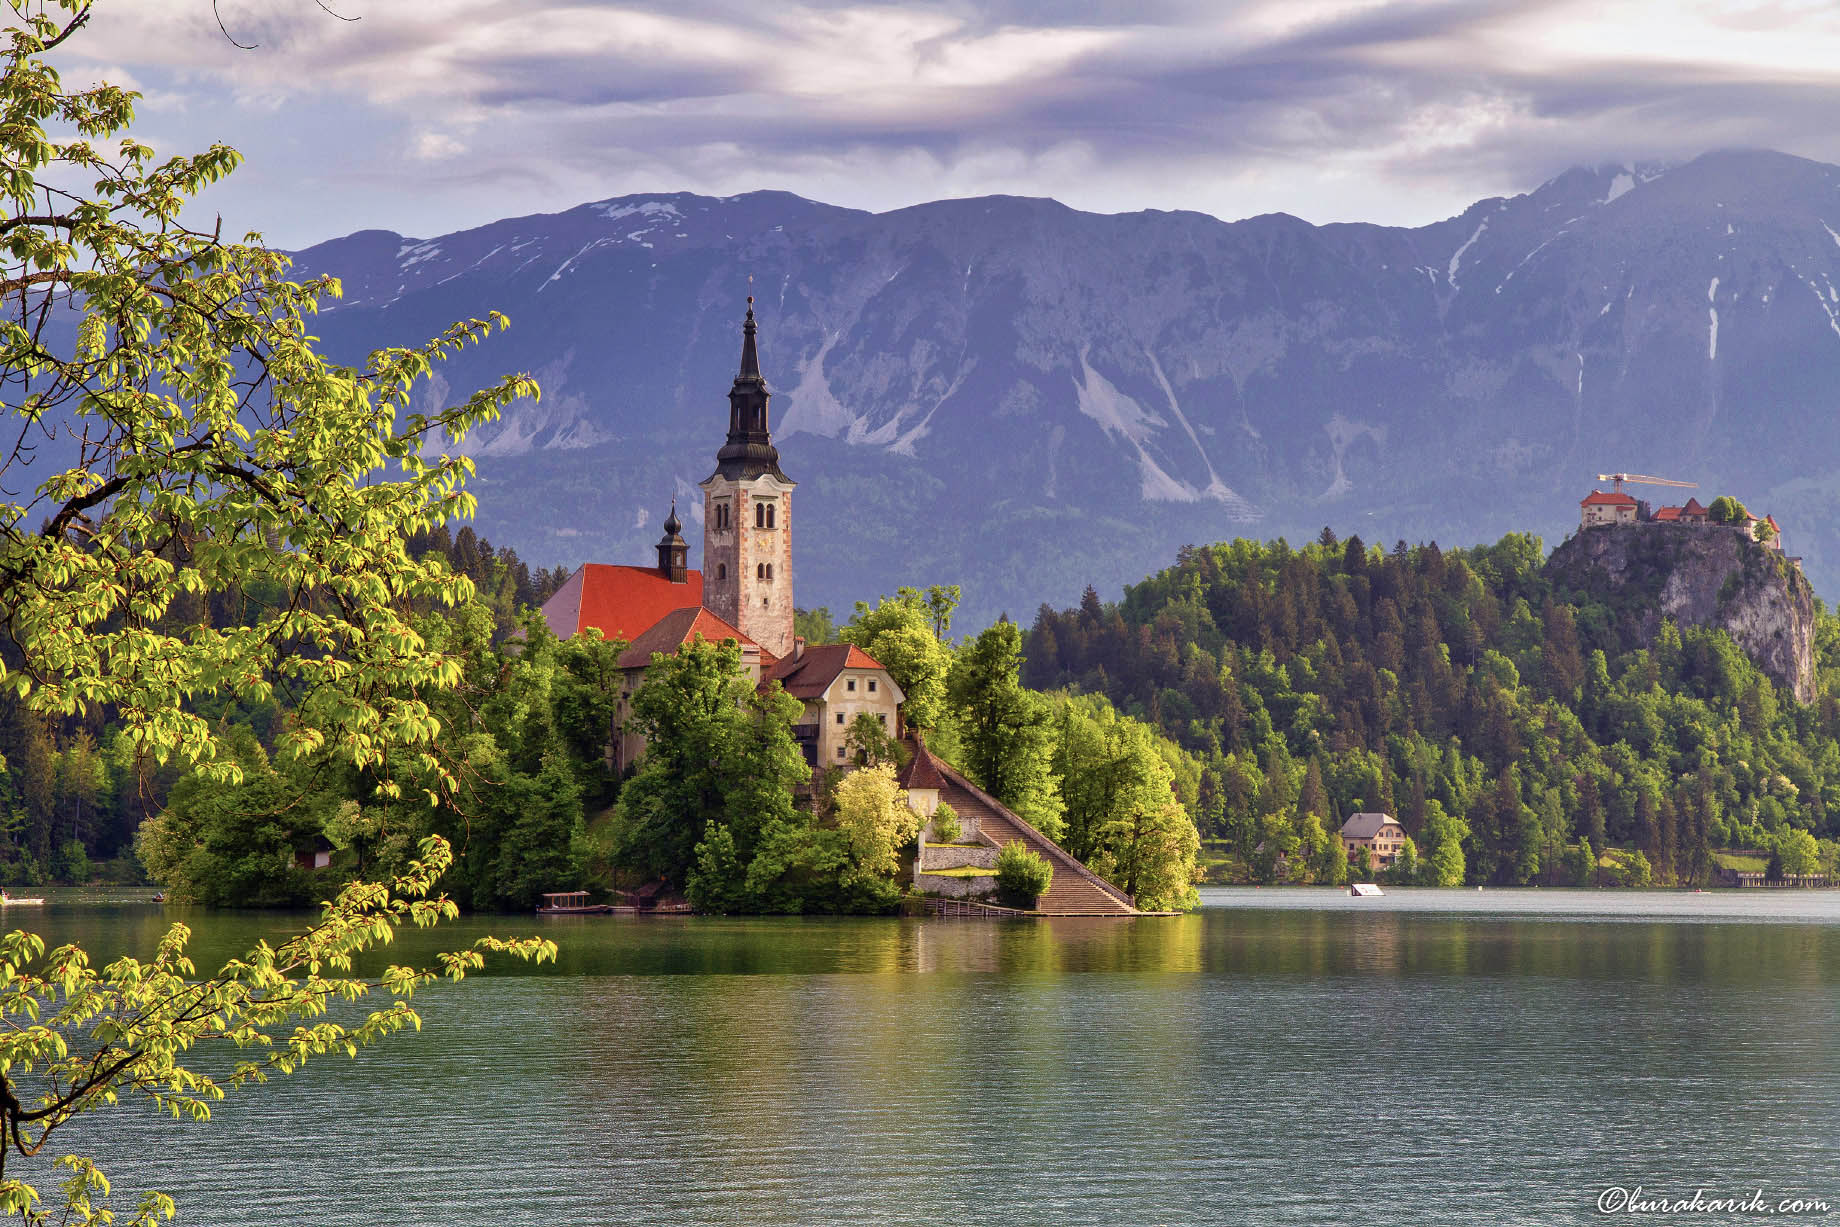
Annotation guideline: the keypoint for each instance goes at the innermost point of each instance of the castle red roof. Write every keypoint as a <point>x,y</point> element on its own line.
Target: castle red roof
<point>809,675</point>
<point>1668,514</point>
<point>1597,498</point>
<point>621,602</point>
<point>677,628</point>
<point>1693,509</point>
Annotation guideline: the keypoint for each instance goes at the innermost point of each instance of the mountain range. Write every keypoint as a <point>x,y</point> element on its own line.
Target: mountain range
<point>1022,398</point>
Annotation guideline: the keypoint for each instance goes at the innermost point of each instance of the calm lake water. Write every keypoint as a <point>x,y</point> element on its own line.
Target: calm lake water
<point>1280,1057</point>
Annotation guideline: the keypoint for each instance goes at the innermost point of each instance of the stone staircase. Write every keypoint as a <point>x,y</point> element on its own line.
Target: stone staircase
<point>1075,890</point>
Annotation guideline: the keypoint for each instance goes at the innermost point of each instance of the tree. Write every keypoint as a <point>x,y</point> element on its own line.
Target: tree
<point>1007,740</point>
<point>876,822</point>
<point>868,743</point>
<point>217,453</point>
<point>1406,870</point>
<point>1023,876</point>
<point>718,754</point>
<point>1442,856</point>
<point>903,633</point>
<point>1727,510</point>
<point>1798,852</point>
<point>190,445</point>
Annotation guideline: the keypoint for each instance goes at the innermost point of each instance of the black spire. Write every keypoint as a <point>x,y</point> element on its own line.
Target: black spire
<point>749,451</point>
<point>750,360</point>
<point>673,551</point>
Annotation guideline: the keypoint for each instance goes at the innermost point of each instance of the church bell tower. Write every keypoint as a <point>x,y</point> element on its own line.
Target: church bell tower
<point>747,516</point>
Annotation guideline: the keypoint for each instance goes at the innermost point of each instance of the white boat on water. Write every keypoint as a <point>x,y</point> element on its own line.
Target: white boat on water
<point>1363,889</point>
<point>16,901</point>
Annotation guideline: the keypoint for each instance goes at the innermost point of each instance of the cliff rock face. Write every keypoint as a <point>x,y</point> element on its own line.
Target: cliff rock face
<point>1701,577</point>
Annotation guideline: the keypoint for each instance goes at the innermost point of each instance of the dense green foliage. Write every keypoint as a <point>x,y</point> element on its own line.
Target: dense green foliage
<point>1023,876</point>
<point>1501,719</point>
<point>195,454</point>
<point>1005,738</point>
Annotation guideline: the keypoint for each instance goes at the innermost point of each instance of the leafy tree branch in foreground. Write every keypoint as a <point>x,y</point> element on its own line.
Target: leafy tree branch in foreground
<point>174,438</point>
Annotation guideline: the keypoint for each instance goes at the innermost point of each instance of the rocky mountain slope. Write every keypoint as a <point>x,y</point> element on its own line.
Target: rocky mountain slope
<point>1014,395</point>
<point>1692,576</point>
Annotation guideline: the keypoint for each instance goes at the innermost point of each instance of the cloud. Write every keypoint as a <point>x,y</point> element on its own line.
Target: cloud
<point>1403,111</point>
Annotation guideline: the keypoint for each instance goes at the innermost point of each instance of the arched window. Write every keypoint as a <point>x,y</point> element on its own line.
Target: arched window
<point>769,571</point>
<point>760,515</point>
<point>721,570</point>
<point>770,512</point>
<point>760,570</point>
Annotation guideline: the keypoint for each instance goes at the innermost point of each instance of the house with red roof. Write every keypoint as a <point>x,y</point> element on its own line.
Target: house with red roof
<point>744,593</point>
<point>1599,507</point>
<point>837,683</point>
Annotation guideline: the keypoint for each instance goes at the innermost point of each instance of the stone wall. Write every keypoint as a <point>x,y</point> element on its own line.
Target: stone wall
<point>955,856</point>
<point>982,887</point>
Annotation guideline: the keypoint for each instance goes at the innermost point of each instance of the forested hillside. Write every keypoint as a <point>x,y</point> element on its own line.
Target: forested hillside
<point>72,794</point>
<point>1501,718</point>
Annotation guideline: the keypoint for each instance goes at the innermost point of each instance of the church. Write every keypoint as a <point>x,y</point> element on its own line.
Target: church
<point>743,592</point>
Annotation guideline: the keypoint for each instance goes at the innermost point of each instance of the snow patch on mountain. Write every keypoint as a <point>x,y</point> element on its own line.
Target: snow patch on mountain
<point>655,209</point>
<point>1216,489</point>
<point>1620,185</point>
<point>1712,336</point>
<point>1119,414</point>
<point>1457,258</point>
<point>811,406</point>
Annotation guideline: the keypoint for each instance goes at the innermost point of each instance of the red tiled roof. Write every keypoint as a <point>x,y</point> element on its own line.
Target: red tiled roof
<point>1693,508</point>
<point>674,630</point>
<point>1668,514</point>
<point>1771,521</point>
<point>621,602</point>
<point>922,770</point>
<point>809,675</point>
<point>1597,498</point>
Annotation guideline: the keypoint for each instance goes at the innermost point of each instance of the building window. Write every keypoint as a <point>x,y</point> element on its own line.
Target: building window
<point>839,717</point>
<point>721,570</point>
<point>850,686</point>
<point>840,751</point>
<point>883,717</point>
<point>721,515</point>
<point>760,570</point>
<point>871,685</point>
<point>769,571</point>
<point>763,515</point>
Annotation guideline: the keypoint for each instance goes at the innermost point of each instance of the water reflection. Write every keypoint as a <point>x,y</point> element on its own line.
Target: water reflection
<point>1410,1064</point>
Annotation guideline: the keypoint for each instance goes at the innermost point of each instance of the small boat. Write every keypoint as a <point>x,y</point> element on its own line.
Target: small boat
<point>17,901</point>
<point>1363,890</point>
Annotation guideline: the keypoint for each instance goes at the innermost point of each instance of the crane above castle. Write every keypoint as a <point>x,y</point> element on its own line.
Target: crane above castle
<point>1643,480</point>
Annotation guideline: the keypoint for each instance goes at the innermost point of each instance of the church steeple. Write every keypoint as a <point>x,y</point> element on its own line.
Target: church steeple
<point>749,451</point>
<point>747,516</point>
<point>673,550</point>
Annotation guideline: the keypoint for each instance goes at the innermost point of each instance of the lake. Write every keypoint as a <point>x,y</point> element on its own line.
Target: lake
<point>1282,1056</point>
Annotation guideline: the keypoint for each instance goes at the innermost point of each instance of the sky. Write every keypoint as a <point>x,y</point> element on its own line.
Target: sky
<point>426,116</point>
